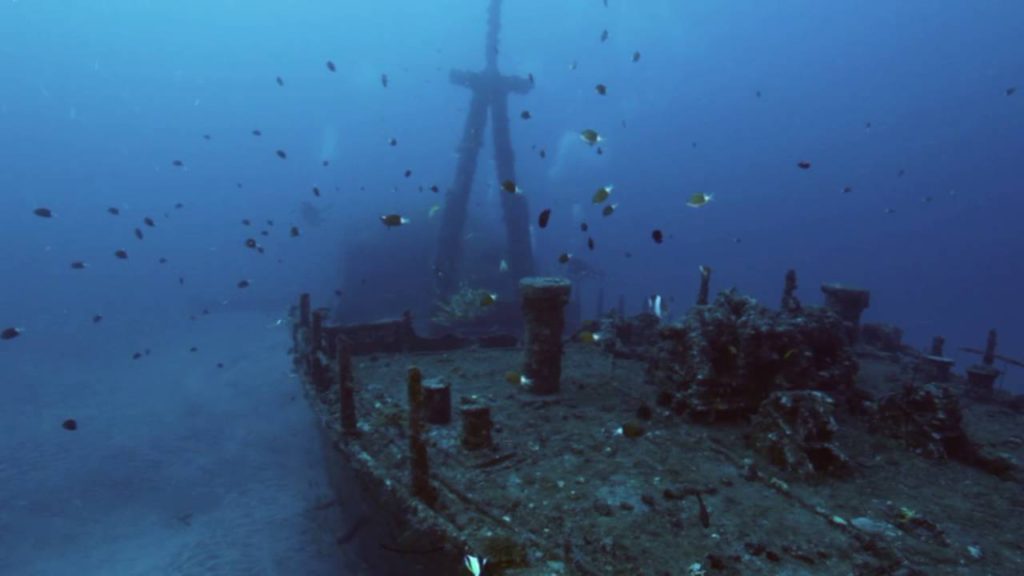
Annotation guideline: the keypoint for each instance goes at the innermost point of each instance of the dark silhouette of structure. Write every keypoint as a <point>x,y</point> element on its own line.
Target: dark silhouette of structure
<point>490,93</point>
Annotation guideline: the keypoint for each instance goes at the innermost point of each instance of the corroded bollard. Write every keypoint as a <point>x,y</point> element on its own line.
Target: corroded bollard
<point>304,310</point>
<point>317,367</point>
<point>848,304</point>
<point>939,368</point>
<point>981,380</point>
<point>990,349</point>
<point>790,303</point>
<point>346,388</point>
<point>420,472</point>
<point>544,301</point>
<point>476,427</point>
<point>437,401</point>
<point>705,286</point>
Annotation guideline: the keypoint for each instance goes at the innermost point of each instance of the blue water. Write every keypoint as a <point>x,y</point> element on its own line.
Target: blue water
<point>904,102</point>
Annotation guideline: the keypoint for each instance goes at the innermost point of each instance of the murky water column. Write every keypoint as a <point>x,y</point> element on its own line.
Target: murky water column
<point>544,301</point>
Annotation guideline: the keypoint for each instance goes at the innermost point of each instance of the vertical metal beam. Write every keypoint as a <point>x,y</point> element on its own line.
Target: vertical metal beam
<point>453,217</point>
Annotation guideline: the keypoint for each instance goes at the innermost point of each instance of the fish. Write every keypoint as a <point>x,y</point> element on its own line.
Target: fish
<point>70,425</point>
<point>1011,90</point>
<point>281,154</point>
<point>393,142</point>
<point>704,271</point>
<point>574,65</point>
<point>530,77</point>
<point>384,80</point>
<point>326,163</point>
<point>331,66</point>
<point>847,189</point>
<point>510,187</point>
<point>698,199</point>
<point>138,234</point>
<point>475,565</point>
<point>803,164</point>
<point>636,56</point>
<point>136,355</point>
<point>392,220</point>
<point>43,212</point>
<point>588,337</point>
<point>433,210</point>
<point>177,164</point>
<point>243,284</point>
<point>609,209</point>
<point>250,243</point>
<point>97,319</point>
<point>542,220</point>
<point>525,115</point>
<point>513,377</point>
<point>121,254</point>
<point>257,133</point>
<point>316,191</point>
<point>435,189</point>
<point>543,154</point>
<point>280,81</point>
<point>503,265</point>
<point>10,333</point>
<point>114,211</point>
<point>590,244</point>
<point>408,173</point>
<point>604,35</point>
<point>246,222</point>
<point>294,232</point>
<point>789,353</point>
<point>602,194</point>
<point>584,227</point>
<point>206,137</point>
<point>488,298</point>
<point>149,222</point>
<point>601,89</point>
<point>657,236</point>
<point>564,258</point>
<point>78,265</point>
<point>590,136</point>
<point>162,260</point>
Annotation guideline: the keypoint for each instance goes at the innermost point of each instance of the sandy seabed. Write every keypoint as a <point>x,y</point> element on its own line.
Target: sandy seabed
<point>178,466</point>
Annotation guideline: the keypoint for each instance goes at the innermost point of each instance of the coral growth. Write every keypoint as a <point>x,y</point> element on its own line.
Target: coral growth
<point>725,359</point>
<point>466,305</point>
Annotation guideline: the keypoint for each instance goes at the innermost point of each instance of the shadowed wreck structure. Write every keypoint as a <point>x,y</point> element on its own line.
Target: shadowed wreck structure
<point>737,440</point>
<point>490,90</point>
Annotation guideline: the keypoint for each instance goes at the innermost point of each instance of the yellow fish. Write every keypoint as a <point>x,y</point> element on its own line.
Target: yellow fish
<point>602,194</point>
<point>433,210</point>
<point>789,354</point>
<point>591,137</point>
<point>588,337</point>
<point>488,298</point>
<point>699,199</point>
